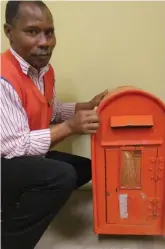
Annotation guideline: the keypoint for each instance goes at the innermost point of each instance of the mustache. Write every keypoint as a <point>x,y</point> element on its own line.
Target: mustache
<point>40,52</point>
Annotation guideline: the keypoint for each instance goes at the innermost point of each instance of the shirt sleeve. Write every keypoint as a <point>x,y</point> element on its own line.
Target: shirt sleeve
<point>62,111</point>
<point>16,137</point>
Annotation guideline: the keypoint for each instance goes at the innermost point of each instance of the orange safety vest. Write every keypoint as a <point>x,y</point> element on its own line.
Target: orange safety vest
<point>38,107</point>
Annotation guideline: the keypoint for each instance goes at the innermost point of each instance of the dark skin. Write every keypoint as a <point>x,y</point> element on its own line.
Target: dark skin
<point>32,36</point>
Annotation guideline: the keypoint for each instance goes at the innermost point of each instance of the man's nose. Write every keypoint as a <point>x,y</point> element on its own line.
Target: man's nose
<point>43,40</point>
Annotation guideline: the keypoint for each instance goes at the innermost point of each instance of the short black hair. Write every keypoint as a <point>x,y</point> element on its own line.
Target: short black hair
<point>12,8</point>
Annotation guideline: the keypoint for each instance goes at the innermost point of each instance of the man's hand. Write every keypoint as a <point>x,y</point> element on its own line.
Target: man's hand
<point>92,103</point>
<point>84,122</point>
<point>97,99</point>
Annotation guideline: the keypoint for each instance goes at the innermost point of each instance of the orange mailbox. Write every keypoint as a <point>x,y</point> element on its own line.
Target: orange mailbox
<point>128,164</point>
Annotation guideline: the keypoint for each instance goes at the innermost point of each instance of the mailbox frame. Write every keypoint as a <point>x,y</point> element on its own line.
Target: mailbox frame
<point>99,147</point>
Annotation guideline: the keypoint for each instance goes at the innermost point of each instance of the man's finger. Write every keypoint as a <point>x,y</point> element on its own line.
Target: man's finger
<point>90,112</point>
<point>92,119</point>
<point>105,92</point>
<point>102,95</point>
<point>92,126</point>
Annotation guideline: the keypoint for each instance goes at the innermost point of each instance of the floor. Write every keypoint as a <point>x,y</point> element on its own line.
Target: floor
<point>73,229</point>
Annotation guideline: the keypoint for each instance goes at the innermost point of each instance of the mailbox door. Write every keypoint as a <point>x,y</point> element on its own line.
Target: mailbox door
<point>130,185</point>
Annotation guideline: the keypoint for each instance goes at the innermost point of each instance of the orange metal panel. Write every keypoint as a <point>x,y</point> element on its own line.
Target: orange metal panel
<point>131,121</point>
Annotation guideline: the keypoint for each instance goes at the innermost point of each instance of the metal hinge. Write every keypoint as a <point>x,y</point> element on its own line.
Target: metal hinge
<point>154,207</point>
<point>158,169</point>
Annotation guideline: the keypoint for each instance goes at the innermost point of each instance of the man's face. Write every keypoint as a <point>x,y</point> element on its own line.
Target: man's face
<point>32,34</point>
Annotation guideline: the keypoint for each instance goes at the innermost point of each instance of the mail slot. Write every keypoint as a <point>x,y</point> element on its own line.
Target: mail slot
<point>132,121</point>
<point>128,164</point>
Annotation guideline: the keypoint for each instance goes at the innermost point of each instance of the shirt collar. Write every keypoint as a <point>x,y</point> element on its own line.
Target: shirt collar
<point>26,67</point>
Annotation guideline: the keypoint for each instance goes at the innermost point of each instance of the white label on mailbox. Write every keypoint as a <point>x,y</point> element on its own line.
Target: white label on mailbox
<point>123,198</point>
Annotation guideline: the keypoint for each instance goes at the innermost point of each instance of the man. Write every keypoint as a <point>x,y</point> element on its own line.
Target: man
<point>36,183</point>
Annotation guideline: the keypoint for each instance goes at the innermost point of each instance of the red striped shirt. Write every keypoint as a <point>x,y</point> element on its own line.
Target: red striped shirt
<point>16,137</point>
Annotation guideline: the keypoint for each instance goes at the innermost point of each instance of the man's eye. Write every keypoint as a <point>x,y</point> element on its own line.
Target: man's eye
<point>50,32</point>
<point>31,32</point>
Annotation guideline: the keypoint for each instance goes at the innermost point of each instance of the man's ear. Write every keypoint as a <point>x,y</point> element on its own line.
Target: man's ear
<point>8,31</point>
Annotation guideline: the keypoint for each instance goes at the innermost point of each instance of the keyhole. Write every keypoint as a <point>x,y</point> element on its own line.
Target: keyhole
<point>116,189</point>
